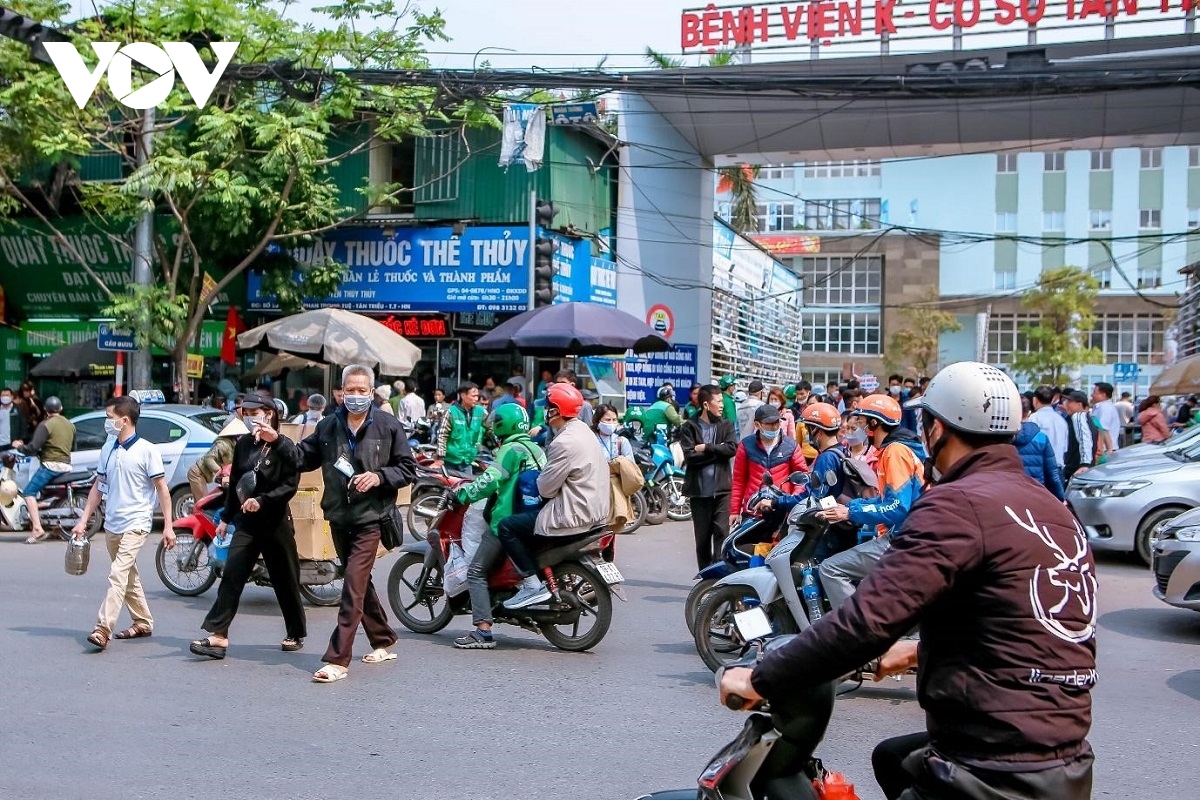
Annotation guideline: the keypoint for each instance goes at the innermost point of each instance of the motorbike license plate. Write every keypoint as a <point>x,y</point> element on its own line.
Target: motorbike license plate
<point>609,572</point>
<point>753,624</point>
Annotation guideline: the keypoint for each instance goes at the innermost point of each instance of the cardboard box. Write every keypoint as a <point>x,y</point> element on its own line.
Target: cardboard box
<point>308,480</point>
<point>314,541</point>
<point>306,504</point>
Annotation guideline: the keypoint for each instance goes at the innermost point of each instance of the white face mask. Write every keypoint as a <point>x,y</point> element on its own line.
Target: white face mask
<point>5,401</point>
<point>608,428</point>
<point>256,421</point>
<point>112,427</point>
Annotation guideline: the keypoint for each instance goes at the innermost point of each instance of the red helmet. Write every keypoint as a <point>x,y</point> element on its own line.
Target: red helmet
<point>564,398</point>
<point>881,407</point>
<point>823,416</point>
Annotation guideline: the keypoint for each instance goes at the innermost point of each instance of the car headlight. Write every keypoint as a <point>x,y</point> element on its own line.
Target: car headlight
<point>1116,489</point>
<point>1189,534</point>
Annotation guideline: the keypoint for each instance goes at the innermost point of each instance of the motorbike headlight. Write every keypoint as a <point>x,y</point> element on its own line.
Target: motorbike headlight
<point>1189,534</point>
<point>1116,489</point>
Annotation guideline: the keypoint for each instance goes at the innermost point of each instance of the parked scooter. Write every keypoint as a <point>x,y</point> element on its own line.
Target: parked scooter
<point>193,565</point>
<point>576,575</point>
<point>59,504</point>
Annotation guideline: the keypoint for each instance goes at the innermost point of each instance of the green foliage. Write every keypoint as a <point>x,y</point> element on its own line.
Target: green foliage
<point>249,171</point>
<point>915,348</point>
<point>1064,302</point>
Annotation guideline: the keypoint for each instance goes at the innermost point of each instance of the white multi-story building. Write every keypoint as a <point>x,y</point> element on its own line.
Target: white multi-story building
<point>995,222</point>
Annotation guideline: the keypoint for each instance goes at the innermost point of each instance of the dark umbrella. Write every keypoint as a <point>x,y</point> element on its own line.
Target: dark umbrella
<point>81,360</point>
<point>578,329</point>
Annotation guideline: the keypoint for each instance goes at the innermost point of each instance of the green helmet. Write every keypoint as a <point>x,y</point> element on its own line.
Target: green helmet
<point>790,392</point>
<point>632,413</point>
<point>508,420</point>
<point>727,381</point>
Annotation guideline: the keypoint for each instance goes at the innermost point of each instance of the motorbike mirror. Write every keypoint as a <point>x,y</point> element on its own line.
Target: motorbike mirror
<point>831,477</point>
<point>798,478</point>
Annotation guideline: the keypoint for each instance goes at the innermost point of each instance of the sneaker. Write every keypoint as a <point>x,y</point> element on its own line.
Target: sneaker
<point>475,640</point>
<point>528,597</point>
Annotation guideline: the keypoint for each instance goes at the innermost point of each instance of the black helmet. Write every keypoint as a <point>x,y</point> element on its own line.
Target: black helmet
<point>667,392</point>
<point>53,405</point>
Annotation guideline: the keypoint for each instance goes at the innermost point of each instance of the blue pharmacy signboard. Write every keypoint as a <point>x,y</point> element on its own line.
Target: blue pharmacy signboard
<point>418,269</point>
<point>578,276</point>
<point>645,373</point>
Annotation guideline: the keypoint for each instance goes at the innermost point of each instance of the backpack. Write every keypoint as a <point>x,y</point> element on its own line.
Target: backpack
<point>527,497</point>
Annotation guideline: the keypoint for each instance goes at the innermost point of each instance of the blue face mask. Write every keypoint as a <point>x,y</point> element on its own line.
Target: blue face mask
<point>356,403</point>
<point>769,435</point>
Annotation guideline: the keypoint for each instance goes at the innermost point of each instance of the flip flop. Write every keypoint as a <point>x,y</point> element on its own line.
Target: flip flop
<point>378,656</point>
<point>37,539</point>
<point>204,647</point>
<point>330,673</point>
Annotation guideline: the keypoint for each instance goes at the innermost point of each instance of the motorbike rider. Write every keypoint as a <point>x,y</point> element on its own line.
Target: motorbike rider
<point>575,485</point>
<point>987,550</point>
<point>901,479</point>
<point>52,442</point>
<point>661,412</point>
<point>461,432</point>
<point>498,485</point>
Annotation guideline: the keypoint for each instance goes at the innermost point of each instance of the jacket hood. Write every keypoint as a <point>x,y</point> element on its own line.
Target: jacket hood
<point>1026,434</point>
<point>907,438</point>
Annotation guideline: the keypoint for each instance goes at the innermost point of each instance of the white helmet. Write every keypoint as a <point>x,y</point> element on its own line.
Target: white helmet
<point>8,491</point>
<point>973,398</point>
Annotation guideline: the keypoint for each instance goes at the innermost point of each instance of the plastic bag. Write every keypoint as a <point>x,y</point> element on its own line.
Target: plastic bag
<point>474,528</point>
<point>455,581</point>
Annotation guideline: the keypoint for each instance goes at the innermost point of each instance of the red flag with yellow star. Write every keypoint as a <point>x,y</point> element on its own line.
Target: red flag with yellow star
<point>233,326</point>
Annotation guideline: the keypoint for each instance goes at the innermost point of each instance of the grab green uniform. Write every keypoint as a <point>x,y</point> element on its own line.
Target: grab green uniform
<point>498,483</point>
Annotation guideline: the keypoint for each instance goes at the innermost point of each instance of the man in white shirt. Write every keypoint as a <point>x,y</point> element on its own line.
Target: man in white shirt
<point>1106,412</point>
<point>129,477</point>
<point>412,407</point>
<point>1050,422</point>
<point>747,407</point>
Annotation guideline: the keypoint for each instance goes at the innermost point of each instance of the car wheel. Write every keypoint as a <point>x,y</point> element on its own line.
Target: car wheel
<point>1147,533</point>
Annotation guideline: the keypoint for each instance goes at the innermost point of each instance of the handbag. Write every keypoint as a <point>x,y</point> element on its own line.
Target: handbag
<point>247,485</point>
<point>391,529</point>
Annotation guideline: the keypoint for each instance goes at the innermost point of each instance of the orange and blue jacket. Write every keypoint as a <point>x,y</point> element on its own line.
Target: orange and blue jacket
<point>901,472</point>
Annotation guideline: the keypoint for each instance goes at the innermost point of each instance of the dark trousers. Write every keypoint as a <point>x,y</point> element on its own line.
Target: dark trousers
<point>278,550</point>
<point>710,524</point>
<point>906,768</point>
<point>515,533</point>
<point>360,604</point>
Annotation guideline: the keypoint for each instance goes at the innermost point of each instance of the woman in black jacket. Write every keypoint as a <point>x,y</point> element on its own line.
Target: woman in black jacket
<point>263,478</point>
<point>709,442</point>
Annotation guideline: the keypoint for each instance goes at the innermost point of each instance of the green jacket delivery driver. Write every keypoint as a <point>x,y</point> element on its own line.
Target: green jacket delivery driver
<point>728,387</point>
<point>660,413</point>
<point>498,485</point>
<point>461,432</point>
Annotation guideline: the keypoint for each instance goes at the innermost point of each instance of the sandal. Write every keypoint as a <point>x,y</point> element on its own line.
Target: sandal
<point>378,656</point>
<point>133,632</point>
<point>204,647</point>
<point>291,644</point>
<point>98,638</point>
<point>330,673</point>
<point>37,539</point>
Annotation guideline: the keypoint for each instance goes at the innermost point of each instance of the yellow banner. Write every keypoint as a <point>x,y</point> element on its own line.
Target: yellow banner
<point>195,366</point>
<point>207,288</point>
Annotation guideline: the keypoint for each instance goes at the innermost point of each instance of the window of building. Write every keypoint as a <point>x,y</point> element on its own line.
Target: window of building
<point>841,215</point>
<point>1150,218</point>
<point>1054,221</point>
<point>1055,162</point>
<point>1149,277</point>
<point>1128,337</point>
<point>1006,162</point>
<point>776,172</point>
<point>840,332</point>
<point>842,280</point>
<point>1103,276</point>
<point>1006,222</point>
<point>1193,218</point>
<point>1005,337</point>
<point>776,216</point>
<point>1152,158</point>
<point>1194,156</point>
<point>1101,160</point>
<point>1006,278</point>
<point>1100,219</point>
<point>842,169</point>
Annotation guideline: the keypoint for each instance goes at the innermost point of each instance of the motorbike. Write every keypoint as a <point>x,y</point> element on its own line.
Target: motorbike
<point>774,754</point>
<point>427,494</point>
<point>193,566</point>
<point>577,576</point>
<point>61,503</point>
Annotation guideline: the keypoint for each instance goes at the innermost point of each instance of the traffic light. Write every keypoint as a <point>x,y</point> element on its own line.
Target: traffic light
<point>27,31</point>
<point>544,214</point>
<point>543,272</point>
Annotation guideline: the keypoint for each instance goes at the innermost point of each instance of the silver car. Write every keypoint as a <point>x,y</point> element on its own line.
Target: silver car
<point>1180,441</point>
<point>1177,562</point>
<point>1122,504</point>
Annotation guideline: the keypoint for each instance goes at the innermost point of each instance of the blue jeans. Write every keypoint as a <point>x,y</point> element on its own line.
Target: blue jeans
<point>38,482</point>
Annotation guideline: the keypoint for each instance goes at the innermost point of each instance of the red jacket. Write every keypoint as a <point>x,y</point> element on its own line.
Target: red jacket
<point>752,460</point>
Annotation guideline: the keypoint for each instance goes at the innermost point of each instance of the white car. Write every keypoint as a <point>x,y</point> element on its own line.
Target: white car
<point>182,434</point>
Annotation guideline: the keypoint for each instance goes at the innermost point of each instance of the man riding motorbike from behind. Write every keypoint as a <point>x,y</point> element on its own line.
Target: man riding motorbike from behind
<point>574,483</point>
<point>498,485</point>
<point>989,551</point>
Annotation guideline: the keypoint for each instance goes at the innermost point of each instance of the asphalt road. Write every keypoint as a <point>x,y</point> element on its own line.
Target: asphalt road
<point>146,719</point>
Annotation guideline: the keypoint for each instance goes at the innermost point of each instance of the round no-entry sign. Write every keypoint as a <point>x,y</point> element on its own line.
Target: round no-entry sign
<point>661,319</point>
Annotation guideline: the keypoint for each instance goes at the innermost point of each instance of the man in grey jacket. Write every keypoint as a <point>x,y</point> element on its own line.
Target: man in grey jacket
<point>574,485</point>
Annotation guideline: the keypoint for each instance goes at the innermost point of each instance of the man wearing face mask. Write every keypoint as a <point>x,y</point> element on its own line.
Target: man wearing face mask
<point>1008,707</point>
<point>364,460</point>
<point>12,424</point>
<point>767,450</point>
<point>901,478</point>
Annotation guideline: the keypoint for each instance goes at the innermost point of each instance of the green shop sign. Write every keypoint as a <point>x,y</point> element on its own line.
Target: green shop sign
<point>43,337</point>
<point>39,277</point>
